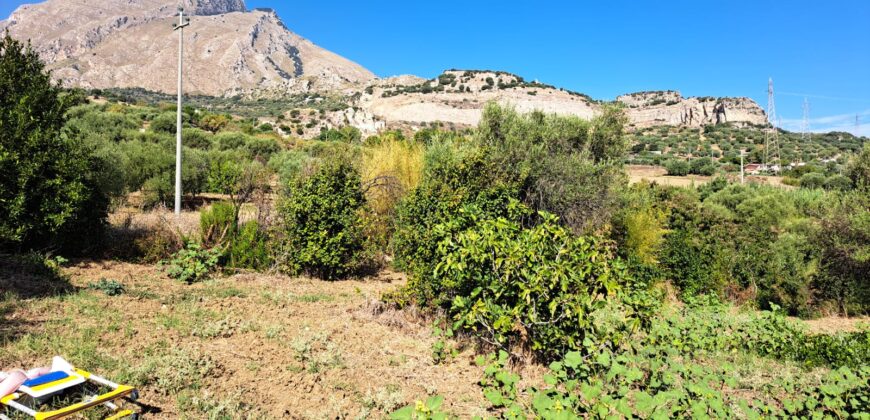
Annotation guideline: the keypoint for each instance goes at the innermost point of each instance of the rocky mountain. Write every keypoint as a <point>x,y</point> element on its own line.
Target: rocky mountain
<point>646,109</point>
<point>230,51</point>
<point>130,43</point>
<point>458,97</point>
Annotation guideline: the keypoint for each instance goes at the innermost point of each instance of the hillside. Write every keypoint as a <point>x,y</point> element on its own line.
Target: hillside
<point>229,51</point>
<point>244,55</point>
<point>458,97</point>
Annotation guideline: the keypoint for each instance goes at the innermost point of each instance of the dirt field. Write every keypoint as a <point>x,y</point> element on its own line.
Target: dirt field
<point>658,174</point>
<point>248,345</point>
<point>241,346</point>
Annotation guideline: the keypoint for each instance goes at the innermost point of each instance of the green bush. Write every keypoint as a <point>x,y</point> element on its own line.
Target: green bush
<point>196,138</point>
<point>536,288</point>
<point>702,166</point>
<point>216,223</point>
<point>454,176</point>
<point>564,165</point>
<point>167,122</point>
<point>812,180</point>
<point>838,183</point>
<point>321,223</point>
<point>50,185</point>
<point>262,148</point>
<point>250,248</point>
<point>843,242</point>
<point>288,164</point>
<point>346,134</point>
<point>677,167</point>
<point>858,168</point>
<point>231,140</point>
<point>193,263</point>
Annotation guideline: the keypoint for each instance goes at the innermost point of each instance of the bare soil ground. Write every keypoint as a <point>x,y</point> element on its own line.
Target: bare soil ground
<point>252,345</point>
<point>244,346</point>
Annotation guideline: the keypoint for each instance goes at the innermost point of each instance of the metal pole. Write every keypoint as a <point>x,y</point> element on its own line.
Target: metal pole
<point>741,167</point>
<point>180,28</point>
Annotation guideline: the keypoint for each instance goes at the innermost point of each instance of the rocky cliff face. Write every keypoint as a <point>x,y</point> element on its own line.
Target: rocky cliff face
<point>108,43</point>
<point>458,97</point>
<point>646,109</point>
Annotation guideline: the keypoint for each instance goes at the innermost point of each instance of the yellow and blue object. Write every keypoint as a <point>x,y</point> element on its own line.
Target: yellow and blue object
<point>63,377</point>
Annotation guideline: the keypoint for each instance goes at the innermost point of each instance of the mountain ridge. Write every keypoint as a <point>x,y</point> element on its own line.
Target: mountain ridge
<point>231,51</point>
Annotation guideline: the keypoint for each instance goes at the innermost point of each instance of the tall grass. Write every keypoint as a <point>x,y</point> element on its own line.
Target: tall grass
<point>389,169</point>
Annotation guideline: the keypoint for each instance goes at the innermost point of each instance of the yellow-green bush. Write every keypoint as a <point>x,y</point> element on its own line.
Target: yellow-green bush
<point>390,169</point>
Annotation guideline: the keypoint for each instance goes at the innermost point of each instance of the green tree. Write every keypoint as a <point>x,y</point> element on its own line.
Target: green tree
<point>858,169</point>
<point>48,188</point>
<point>321,221</point>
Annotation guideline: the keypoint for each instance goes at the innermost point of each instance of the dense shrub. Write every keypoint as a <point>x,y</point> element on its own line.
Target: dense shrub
<point>262,148</point>
<point>167,122</point>
<point>564,165</point>
<point>231,140</point>
<point>702,166</point>
<point>536,288</point>
<point>858,169</point>
<point>677,167</point>
<point>217,223</point>
<point>321,223</point>
<point>838,182</point>
<point>843,242</point>
<point>288,164</point>
<point>454,175</point>
<point>812,180</point>
<point>196,138</point>
<point>49,181</point>
<point>346,134</point>
<point>250,248</point>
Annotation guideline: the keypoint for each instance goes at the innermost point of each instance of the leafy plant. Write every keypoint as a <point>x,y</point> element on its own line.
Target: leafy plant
<point>193,263</point>
<point>49,189</point>
<point>110,287</point>
<point>321,223</point>
<point>422,410</point>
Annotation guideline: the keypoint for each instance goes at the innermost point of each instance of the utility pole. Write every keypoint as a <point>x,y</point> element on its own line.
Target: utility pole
<point>741,166</point>
<point>182,22</point>
<point>805,124</point>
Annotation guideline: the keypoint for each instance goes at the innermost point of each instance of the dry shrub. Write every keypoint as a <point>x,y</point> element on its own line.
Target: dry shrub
<point>389,170</point>
<point>150,236</point>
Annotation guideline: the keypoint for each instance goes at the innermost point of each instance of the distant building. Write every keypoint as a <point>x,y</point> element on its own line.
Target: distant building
<point>754,168</point>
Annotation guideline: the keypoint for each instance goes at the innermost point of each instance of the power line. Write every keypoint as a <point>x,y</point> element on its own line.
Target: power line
<point>833,98</point>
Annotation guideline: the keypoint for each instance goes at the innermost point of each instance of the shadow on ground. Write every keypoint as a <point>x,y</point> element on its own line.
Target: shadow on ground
<point>31,276</point>
<point>26,276</point>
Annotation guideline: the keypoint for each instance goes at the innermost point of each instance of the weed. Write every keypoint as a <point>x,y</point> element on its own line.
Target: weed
<point>108,286</point>
<point>386,399</point>
<point>316,352</point>
<point>224,328</point>
<point>193,263</point>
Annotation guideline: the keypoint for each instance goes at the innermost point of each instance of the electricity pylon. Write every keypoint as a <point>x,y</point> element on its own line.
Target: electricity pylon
<point>771,138</point>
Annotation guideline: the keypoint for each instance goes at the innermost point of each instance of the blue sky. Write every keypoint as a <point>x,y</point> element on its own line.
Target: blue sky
<point>819,49</point>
